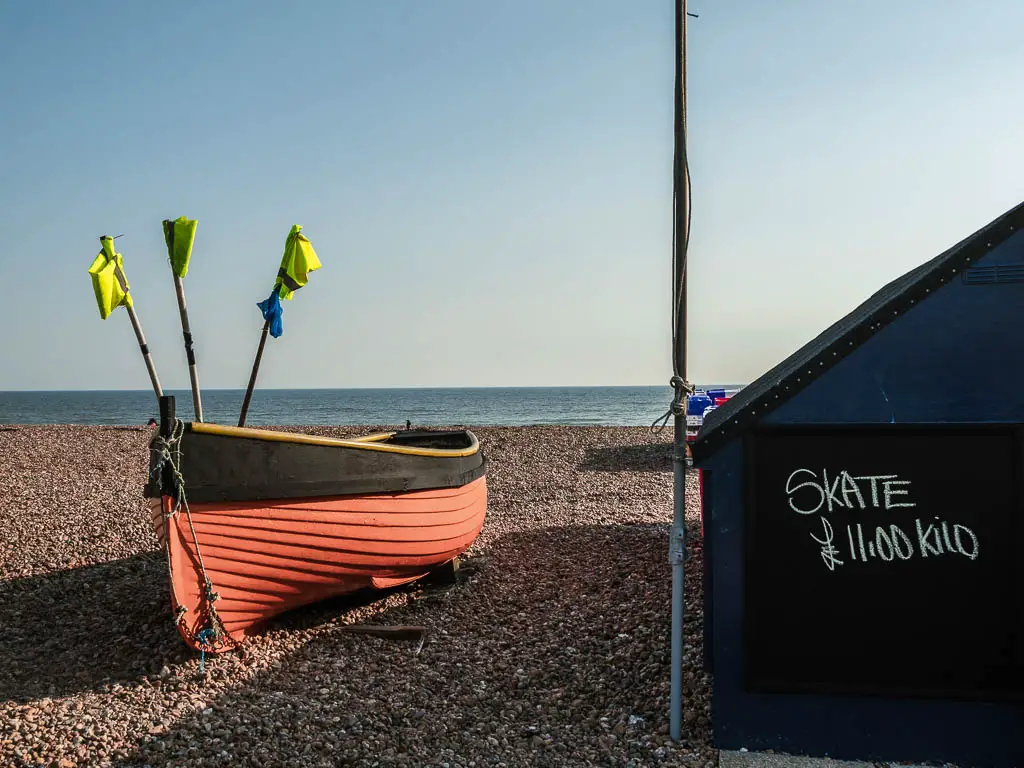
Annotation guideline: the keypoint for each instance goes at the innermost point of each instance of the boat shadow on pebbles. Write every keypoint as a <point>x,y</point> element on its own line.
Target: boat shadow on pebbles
<point>92,627</point>
<point>85,628</point>
<point>542,652</point>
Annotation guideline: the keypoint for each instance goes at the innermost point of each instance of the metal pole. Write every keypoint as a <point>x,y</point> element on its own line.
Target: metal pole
<point>677,543</point>
<point>186,330</point>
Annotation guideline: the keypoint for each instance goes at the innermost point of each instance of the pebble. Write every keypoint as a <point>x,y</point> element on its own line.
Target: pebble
<point>553,650</point>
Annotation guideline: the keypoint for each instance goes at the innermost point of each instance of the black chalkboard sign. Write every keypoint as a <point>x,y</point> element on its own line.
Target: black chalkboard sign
<point>881,560</point>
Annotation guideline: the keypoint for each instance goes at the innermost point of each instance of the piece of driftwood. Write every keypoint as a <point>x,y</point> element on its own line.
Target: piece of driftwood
<point>389,632</point>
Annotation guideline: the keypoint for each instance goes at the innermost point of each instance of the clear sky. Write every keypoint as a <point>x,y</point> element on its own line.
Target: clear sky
<point>488,184</point>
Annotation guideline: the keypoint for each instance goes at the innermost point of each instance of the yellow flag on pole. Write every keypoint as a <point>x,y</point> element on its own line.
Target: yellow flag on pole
<point>299,260</point>
<point>108,279</point>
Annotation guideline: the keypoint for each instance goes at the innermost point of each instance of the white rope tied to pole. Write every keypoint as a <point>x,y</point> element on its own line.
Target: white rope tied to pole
<point>683,390</point>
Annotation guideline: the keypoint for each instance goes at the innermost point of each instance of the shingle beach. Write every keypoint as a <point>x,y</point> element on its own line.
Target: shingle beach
<point>552,650</point>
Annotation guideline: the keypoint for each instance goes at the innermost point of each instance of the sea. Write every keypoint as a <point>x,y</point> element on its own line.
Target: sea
<point>485,406</point>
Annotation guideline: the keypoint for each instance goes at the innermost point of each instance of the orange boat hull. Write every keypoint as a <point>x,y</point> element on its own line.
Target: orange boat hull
<point>267,557</point>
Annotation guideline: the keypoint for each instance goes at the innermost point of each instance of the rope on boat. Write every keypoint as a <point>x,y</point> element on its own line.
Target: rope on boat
<point>167,463</point>
<point>202,637</point>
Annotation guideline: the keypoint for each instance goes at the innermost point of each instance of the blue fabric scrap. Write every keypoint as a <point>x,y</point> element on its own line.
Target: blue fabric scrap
<point>273,311</point>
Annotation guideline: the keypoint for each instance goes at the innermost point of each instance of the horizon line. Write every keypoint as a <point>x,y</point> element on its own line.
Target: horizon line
<point>360,389</point>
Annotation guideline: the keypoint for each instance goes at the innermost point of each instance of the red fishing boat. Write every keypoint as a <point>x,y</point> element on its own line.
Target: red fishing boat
<point>256,522</point>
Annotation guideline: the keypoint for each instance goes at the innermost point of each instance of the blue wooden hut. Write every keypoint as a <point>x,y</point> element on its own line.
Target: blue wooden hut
<point>864,526</point>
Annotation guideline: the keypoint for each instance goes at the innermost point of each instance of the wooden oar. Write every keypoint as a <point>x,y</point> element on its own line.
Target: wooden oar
<point>252,376</point>
<point>298,261</point>
<point>179,251</point>
<point>108,262</point>
<point>143,346</point>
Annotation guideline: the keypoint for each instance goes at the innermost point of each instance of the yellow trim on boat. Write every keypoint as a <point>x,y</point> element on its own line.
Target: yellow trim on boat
<point>372,438</point>
<point>366,443</point>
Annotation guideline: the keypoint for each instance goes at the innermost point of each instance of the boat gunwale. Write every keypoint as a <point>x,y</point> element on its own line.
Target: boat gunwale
<point>372,442</point>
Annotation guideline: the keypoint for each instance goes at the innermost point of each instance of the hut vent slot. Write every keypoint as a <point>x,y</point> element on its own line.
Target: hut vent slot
<point>1002,273</point>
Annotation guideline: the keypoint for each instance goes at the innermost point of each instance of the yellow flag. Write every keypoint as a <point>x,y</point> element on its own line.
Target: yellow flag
<point>179,235</point>
<point>299,260</point>
<point>108,279</point>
